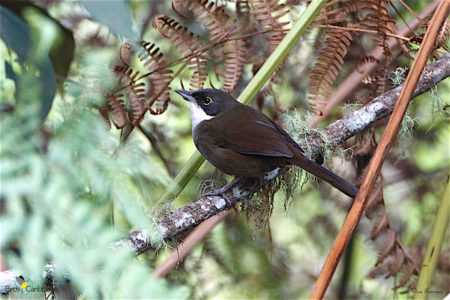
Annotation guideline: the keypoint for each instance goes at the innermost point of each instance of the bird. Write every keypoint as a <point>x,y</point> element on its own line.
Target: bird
<point>242,141</point>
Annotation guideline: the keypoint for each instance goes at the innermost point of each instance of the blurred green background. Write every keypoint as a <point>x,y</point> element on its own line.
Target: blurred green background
<point>70,187</point>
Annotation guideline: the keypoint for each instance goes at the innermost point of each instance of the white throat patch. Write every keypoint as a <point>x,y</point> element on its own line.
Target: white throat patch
<point>197,115</point>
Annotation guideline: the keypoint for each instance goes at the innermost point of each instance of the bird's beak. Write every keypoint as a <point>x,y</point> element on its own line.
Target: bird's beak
<point>187,95</point>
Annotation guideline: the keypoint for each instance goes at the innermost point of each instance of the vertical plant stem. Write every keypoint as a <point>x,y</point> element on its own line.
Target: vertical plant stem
<point>434,246</point>
<point>250,91</point>
<point>381,151</point>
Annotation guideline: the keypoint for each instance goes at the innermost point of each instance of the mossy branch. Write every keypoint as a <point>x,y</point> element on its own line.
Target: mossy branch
<point>250,91</point>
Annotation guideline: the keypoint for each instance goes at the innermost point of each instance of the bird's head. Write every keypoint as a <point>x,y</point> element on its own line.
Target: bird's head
<point>207,104</point>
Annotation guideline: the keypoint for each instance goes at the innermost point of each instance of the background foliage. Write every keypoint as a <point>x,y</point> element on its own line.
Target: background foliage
<point>70,186</point>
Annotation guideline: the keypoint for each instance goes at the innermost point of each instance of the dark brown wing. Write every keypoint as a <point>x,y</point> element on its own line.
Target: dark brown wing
<point>253,133</point>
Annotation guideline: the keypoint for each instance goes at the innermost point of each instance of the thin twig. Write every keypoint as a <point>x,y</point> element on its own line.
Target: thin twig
<point>400,37</point>
<point>381,151</point>
<point>410,10</point>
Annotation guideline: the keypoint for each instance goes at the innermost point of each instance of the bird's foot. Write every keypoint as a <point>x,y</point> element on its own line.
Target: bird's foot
<point>221,192</point>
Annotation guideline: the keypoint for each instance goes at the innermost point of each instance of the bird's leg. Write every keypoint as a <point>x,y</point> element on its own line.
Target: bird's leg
<point>221,191</point>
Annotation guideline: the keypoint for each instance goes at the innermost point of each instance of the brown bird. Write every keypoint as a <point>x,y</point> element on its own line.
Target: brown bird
<point>240,140</point>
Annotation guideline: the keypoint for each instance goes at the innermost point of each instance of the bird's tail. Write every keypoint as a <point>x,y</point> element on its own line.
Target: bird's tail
<point>325,174</point>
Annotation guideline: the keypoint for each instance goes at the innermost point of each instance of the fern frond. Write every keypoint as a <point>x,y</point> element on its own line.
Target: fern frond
<point>126,50</point>
<point>178,5</point>
<point>377,18</point>
<point>160,89</point>
<point>120,114</point>
<point>214,18</point>
<point>234,61</point>
<point>137,101</point>
<point>332,12</point>
<point>269,13</point>
<point>150,56</point>
<point>136,95</point>
<point>392,257</point>
<point>126,75</point>
<point>365,60</point>
<point>104,113</point>
<point>388,246</point>
<point>160,78</point>
<point>326,69</point>
<point>187,43</point>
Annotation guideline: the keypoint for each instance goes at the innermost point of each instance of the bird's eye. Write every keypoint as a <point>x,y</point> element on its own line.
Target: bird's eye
<point>207,101</point>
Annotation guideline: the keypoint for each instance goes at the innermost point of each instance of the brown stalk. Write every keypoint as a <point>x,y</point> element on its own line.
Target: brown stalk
<point>354,79</point>
<point>360,30</point>
<point>377,160</point>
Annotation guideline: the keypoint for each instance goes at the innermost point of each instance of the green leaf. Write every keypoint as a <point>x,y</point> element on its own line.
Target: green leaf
<point>48,86</point>
<point>17,36</point>
<point>61,52</point>
<point>114,14</point>
<point>15,33</point>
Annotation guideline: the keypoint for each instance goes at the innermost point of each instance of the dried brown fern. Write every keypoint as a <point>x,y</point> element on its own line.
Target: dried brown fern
<point>136,96</point>
<point>221,27</point>
<point>178,6</point>
<point>126,50</point>
<point>118,110</point>
<point>326,69</point>
<point>337,11</point>
<point>269,13</point>
<point>126,75</point>
<point>159,78</point>
<point>234,61</point>
<point>105,115</point>
<point>377,18</point>
<point>160,90</point>
<point>187,44</point>
<point>214,18</point>
<point>392,258</point>
<point>137,102</point>
<point>151,56</point>
<point>365,60</point>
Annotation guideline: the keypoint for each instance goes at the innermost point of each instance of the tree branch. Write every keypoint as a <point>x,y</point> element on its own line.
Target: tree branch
<point>193,214</point>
